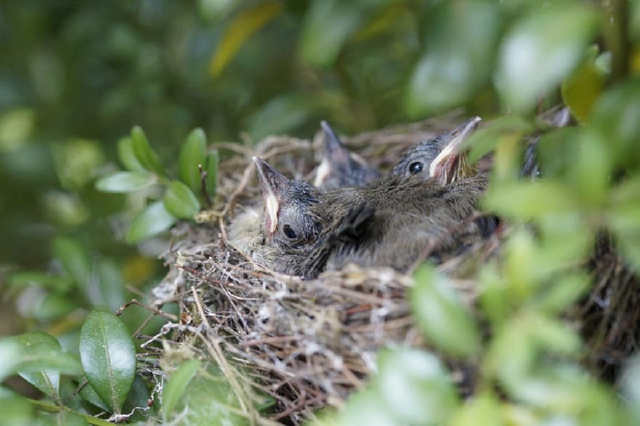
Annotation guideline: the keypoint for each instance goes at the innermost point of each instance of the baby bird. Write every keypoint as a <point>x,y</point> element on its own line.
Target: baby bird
<point>394,221</point>
<point>419,159</point>
<point>339,167</point>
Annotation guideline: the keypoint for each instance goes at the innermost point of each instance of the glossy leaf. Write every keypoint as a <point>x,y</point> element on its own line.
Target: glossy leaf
<point>540,50</point>
<point>127,156</point>
<point>416,387</point>
<point>180,201</point>
<point>123,182</point>
<point>193,154</point>
<point>108,357</point>
<point>46,381</point>
<point>177,384</point>
<point>91,396</point>
<point>213,160</point>
<point>143,151</point>
<point>459,50</point>
<point>441,315</point>
<point>37,357</point>
<point>151,221</point>
<point>138,398</point>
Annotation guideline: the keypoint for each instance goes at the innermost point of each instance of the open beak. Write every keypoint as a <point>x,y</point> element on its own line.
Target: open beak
<point>450,164</point>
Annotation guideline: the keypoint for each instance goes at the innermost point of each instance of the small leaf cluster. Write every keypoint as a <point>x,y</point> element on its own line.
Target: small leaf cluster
<point>198,174</point>
<point>101,380</point>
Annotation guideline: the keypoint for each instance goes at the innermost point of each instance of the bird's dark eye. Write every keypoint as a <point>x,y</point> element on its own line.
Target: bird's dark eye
<point>415,167</point>
<point>289,232</point>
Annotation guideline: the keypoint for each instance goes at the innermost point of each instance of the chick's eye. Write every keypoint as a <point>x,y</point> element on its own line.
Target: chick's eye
<point>289,232</point>
<point>415,167</point>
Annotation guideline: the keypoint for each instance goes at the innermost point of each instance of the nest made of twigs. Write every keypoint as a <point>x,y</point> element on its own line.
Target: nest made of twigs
<point>309,344</point>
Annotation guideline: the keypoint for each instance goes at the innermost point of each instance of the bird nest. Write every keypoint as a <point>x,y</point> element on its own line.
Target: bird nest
<point>309,343</point>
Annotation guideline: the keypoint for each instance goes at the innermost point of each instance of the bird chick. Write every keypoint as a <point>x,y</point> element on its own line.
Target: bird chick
<point>419,159</point>
<point>339,167</point>
<point>394,221</point>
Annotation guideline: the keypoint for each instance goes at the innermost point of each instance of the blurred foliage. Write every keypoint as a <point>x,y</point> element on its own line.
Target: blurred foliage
<point>76,77</point>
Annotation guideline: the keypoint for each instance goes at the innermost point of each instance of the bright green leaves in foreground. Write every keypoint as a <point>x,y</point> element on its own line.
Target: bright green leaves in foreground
<point>459,50</point>
<point>412,387</point>
<point>441,315</point>
<point>108,357</point>
<point>145,175</point>
<point>177,385</point>
<point>210,398</point>
<point>540,50</point>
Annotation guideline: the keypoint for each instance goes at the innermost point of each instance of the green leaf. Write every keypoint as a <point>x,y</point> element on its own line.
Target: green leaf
<point>325,29</point>
<point>540,50</point>
<point>74,259</point>
<point>91,396</point>
<point>143,151</point>
<point>415,387</point>
<point>34,358</point>
<point>175,388</point>
<point>213,160</point>
<point>441,316</point>
<point>138,398</point>
<point>16,410</point>
<point>180,201</point>
<point>616,115</point>
<point>111,285</point>
<point>193,154</point>
<point>123,182</point>
<point>108,357</point>
<point>482,409</point>
<point>249,21</point>
<point>591,167</point>
<point>483,140</point>
<point>562,293</point>
<point>40,279</point>
<point>151,221</point>
<point>279,115</point>
<point>459,50</point>
<point>581,89</point>
<point>47,381</point>
<point>51,306</point>
<point>630,383</point>
<point>127,156</point>
<point>365,408</point>
<point>526,200</point>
